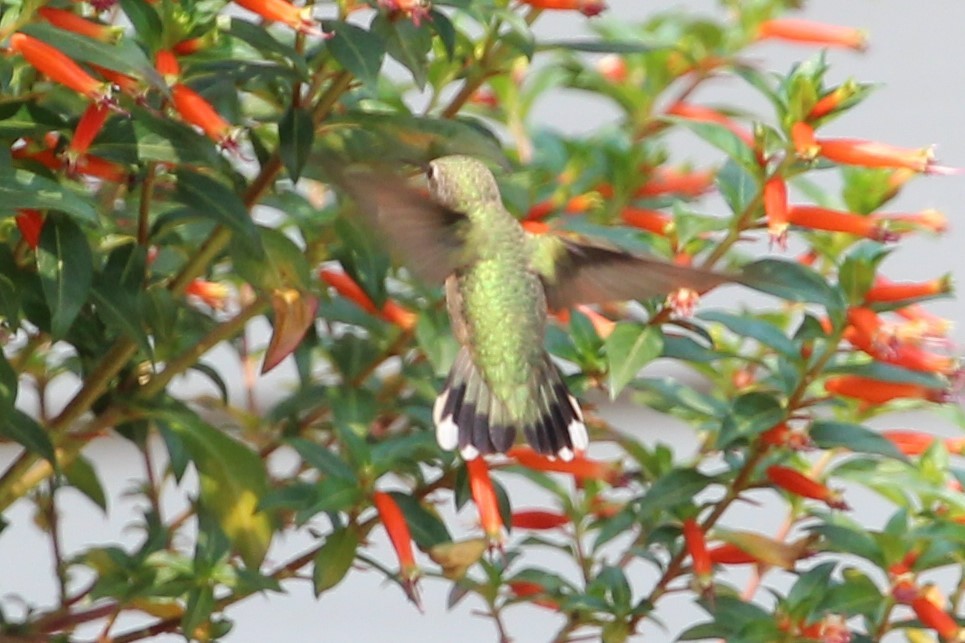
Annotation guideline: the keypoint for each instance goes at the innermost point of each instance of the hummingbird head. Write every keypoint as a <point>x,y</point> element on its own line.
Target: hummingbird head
<point>460,182</point>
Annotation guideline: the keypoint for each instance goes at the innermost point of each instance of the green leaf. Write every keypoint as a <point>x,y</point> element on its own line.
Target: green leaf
<point>233,480</point>
<point>81,475</point>
<point>124,55</point>
<point>827,434</point>
<point>166,140</point>
<point>359,51</point>
<point>336,494</point>
<point>763,331</point>
<point>198,608</point>
<point>406,43</point>
<point>596,46</point>
<point>262,40</point>
<point>426,528</point>
<point>791,281</point>
<point>738,186</point>
<point>751,415</point>
<point>322,459</point>
<point>283,264</point>
<point>22,189</point>
<point>8,386</point>
<point>211,199</point>
<point>296,134</point>
<point>334,559</point>
<point>677,487</point>
<point>117,293</point>
<point>24,430</point>
<point>65,266</point>
<point>145,20</point>
<point>724,140</point>
<point>628,348</point>
<point>889,373</point>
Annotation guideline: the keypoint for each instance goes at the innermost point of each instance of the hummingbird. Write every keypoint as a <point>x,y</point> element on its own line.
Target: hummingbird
<point>500,281</point>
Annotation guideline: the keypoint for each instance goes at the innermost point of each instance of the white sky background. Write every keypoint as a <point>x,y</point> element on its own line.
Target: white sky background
<point>916,53</point>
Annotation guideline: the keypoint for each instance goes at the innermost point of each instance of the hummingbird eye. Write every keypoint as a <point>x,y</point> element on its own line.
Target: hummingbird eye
<point>431,172</point>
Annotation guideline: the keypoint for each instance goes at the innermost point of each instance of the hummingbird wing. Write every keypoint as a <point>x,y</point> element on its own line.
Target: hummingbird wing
<point>430,238</point>
<point>588,272</point>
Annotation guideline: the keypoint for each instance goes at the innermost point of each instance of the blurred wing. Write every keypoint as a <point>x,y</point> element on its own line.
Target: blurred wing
<point>583,272</point>
<point>429,238</point>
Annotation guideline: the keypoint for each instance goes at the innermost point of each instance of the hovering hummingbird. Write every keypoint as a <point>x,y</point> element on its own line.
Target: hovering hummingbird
<point>499,283</point>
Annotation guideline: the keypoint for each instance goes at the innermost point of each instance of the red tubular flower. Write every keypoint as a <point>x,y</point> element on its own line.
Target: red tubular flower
<point>538,519</point>
<point>653,221</point>
<point>586,7</point>
<point>933,616</point>
<point>30,223</point>
<point>832,100</point>
<point>802,136</point>
<point>281,11</point>
<point>484,495</point>
<point>70,21</point>
<point>89,126</point>
<point>818,218</point>
<point>851,151</point>
<point>542,210</point>
<point>192,45</point>
<point>781,435</point>
<point>194,109</point>
<point>531,590</point>
<point>57,66</point>
<point>702,114</point>
<point>602,325</point>
<point>398,530</point>
<point>697,548</point>
<point>776,209</point>
<point>812,33</point>
<point>890,291</point>
<point>730,554</point>
<point>535,227</point>
<point>166,64</point>
<point>580,467</point>
<point>127,84</point>
<point>799,484</point>
<point>391,311</point>
<point>872,391</point>
<point>583,203</point>
<point>99,168</point>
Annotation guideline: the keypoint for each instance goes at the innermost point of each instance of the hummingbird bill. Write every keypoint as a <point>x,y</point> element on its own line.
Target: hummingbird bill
<point>500,282</point>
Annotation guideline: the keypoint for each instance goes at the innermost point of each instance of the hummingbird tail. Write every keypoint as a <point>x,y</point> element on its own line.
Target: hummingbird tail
<point>469,417</point>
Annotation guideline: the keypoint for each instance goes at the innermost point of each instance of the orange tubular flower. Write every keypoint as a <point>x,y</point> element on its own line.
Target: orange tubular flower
<point>650,220</point>
<point>191,46</point>
<point>890,291</point>
<point>484,495</point>
<point>697,548</point>
<point>776,209</point>
<point>668,180</point>
<point>613,68</point>
<point>535,227</point>
<point>127,84</point>
<point>818,218</point>
<point>391,311</point>
<point>601,324</point>
<point>89,126</point>
<point>166,64</point>
<point>799,484</point>
<point>31,224</point>
<point>872,391</point>
<point>586,7</point>
<point>851,151</point>
<point>781,435</point>
<point>702,114</point>
<point>530,589</point>
<point>538,519</point>
<point>802,136</point>
<point>281,11</point>
<point>915,442</point>
<point>70,21</point>
<point>100,168</point>
<point>832,100</point>
<point>812,33</point>
<point>580,467</point>
<point>57,66</point>
<point>398,530</point>
<point>929,219</point>
<point>212,293</point>
<point>194,109</point>
<point>935,617</point>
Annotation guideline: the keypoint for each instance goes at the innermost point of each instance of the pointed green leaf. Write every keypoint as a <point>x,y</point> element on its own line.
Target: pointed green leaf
<point>359,51</point>
<point>233,480</point>
<point>628,348</point>
<point>22,189</point>
<point>81,475</point>
<point>211,199</point>
<point>65,266</point>
<point>723,139</point>
<point>426,528</point>
<point>406,43</point>
<point>8,386</point>
<point>296,133</point>
<point>168,141</point>
<point>763,331</point>
<point>24,430</point>
<point>117,293</point>
<point>830,435</point>
<point>791,281</point>
<point>334,559</point>
<point>675,488</point>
